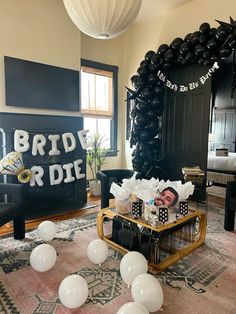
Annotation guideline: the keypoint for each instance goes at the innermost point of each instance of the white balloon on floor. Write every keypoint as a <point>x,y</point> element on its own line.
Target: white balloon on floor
<point>147,290</point>
<point>132,264</point>
<point>73,291</point>
<point>97,251</point>
<point>132,307</point>
<point>43,257</point>
<point>47,230</point>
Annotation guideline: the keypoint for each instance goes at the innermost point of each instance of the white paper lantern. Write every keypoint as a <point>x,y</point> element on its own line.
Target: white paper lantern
<point>103,19</point>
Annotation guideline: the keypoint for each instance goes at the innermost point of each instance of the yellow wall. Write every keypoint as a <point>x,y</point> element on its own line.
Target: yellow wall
<point>178,23</point>
<point>39,31</point>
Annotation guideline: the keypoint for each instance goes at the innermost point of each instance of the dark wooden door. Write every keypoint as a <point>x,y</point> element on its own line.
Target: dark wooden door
<point>187,122</point>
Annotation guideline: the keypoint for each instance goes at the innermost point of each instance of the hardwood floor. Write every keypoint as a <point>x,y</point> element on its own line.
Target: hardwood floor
<point>31,224</point>
<point>216,200</point>
<point>93,200</point>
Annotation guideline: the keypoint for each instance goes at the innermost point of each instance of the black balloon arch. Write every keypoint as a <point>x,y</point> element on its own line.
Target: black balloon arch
<point>205,47</point>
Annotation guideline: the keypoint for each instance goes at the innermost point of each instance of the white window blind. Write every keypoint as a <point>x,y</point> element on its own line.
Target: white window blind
<point>96,93</point>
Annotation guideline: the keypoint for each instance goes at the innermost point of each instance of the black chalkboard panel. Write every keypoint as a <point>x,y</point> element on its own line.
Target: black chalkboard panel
<point>36,85</point>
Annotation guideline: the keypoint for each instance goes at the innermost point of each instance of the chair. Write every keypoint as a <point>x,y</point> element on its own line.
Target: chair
<point>230,205</point>
<point>13,209</point>
<point>107,177</point>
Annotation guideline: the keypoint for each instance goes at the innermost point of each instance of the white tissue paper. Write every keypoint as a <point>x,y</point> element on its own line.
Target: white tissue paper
<point>149,189</point>
<point>119,192</point>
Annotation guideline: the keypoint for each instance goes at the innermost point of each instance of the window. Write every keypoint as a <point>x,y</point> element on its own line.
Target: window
<point>99,100</point>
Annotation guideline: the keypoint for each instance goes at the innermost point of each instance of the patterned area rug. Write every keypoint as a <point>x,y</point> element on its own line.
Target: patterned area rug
<point>202,282</point>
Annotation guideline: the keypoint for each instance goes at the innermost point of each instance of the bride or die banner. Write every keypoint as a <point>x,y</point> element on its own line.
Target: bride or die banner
<point>56,171</point>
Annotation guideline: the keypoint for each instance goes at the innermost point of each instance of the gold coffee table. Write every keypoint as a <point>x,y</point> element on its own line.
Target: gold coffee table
<point>174,240</point>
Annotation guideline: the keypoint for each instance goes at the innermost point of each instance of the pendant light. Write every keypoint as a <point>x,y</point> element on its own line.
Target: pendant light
<point>102,19</point>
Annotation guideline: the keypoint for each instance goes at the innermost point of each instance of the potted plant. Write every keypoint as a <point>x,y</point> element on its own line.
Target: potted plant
<point>96,155</point>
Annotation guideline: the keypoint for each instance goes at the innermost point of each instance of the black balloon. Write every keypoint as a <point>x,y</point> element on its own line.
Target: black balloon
<point>141,106</point>
<point>140,120</point>
<point>152,79</point>
<point>145,135</point>
<point>206,54</point>
<point>189,56</point>
<point>154,142</point>
<point>180,58</point>
<point>167,65</point>
<point>142,71</point>
<point>151,115</point>
<point>162,49</point>
<point>143,154</point>
<point>149,54</point>
<point>176,43</point>
<point>133,79</point>
<point>152,127</point>
<point>156,102</point>
<point>214,57</point>
<point>212,44</point>
<point>147,93</point>
<point>153,67</point>
<point>138,82</point>
<point>169,55</point>
<point>225,52</point>
<point>136,129</point>
<point>207,62</point>
<point>199,49</point>
<point>141,146</point>
<point>144,63</point>
<point>187,38</point>
<point>204,28</point>
<point>203,38</point>
<point>137,161</point>
<point>159,111</point>
<point>201,60</point>
<point>212,32</point>
<point>184,61</point>
<point>220,34</point>
<point>147,164</point>
<point>184,48</point>
<point>158,90</point>
<point>155,59</point>
<point>195,38</point>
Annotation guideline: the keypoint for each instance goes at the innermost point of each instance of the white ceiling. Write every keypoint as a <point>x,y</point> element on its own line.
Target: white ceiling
<point>150,9</point>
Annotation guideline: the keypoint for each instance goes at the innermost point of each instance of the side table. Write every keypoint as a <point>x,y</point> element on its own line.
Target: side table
<point>174,240</point>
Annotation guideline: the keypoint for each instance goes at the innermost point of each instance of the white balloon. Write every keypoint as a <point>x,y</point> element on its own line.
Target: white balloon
<point>133,308</point>
<point>47,230</point>
<point>73,291</point>
<point>97,251</point>
<point>43,257</point>
<point>147,290</point>
<point>132,264</point>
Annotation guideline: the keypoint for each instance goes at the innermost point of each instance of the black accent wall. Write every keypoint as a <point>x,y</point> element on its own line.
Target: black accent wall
<point>47,200</point>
